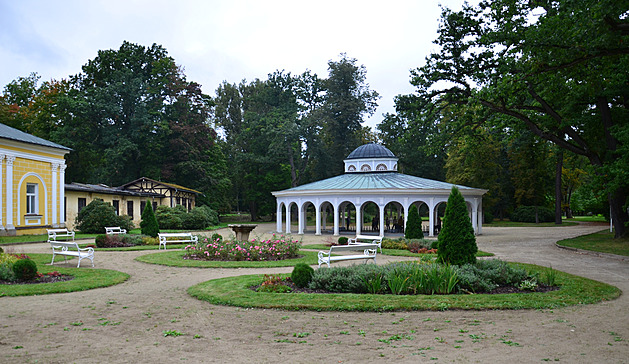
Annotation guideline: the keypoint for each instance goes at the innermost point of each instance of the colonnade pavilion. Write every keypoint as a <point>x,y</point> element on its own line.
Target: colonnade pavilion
<point>371,176</point>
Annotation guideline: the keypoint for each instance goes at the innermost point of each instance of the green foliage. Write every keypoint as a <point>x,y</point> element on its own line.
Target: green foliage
<point>485,275</point>
<point>302,275</point>
<point>149,224</point>
<point>170,217</point>
<point>399,243</point>
<point>147,240</point>
<point>342,240</point>
<point>6,266</point>
<point>529,214</point>
<point>119,240</point>
<point>217,237</point>
<point>413,225</point>
<point>25,269</point>
<point>417,245</point>
<point>94,217</point>
<point>457,243</point>
<point>344,279</point>
<point>178,217</point>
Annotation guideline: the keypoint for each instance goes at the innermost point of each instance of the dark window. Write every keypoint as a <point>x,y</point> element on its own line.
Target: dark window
<point>82,203</point>
<point>130,209</point>
<point>116,204</point>
<point>178,201</point>
<point>142,206</point>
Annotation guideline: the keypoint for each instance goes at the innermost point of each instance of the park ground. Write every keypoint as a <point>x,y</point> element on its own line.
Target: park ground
<point>127,322</point>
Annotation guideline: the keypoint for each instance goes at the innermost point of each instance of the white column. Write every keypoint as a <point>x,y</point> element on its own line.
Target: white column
<point>335,209</point>
<point>288,218</point>
<point>358,220</point>
<point>62,193</point>
<point>381,220</point>
<point>1,189</point>
<point>278,217</point>
<point>10,160</point>
<point>55,212</point>
<point>318,220</point>
<point>431,217</point>
<point>301,219</point>
<point>324,221</point>
<point>481,217</point>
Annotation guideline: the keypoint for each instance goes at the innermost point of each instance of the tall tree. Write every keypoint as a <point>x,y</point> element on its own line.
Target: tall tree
<point>347,101</point>
<point>557,68</point>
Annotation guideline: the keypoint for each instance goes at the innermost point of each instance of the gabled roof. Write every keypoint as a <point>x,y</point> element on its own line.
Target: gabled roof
<point>171,185</point>
<point>8,132</point>
<point>376,181</point>
<point>100,188</point>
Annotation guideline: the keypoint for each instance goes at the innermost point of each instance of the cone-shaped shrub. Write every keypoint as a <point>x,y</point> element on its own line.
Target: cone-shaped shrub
<point>456,242</point>
<point>149,224</point>
<point>302,275</point>
<point>413,225</point>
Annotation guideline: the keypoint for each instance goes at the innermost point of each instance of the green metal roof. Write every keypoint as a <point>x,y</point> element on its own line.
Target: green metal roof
<point>376,181</point>
<point>8,132</point>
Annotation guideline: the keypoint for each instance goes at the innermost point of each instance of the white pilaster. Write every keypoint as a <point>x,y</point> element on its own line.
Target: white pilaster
<point>318,219</point>
<point>381,207</point>
<point>278,217</point>
<point>62,194</point>
<point>9,199</point>
<point>335,208</point>
<point>359,220</point>
<point>301,219</point>
<point>1,189</point>
<point>288,218</point>
<point>55,212</point>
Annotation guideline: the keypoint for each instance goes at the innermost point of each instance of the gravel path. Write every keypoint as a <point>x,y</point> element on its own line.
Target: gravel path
<point>125,323</point>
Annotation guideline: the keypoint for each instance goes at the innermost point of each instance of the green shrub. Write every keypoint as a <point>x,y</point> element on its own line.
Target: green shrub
<point>344,279</point>
<point>169,218</point>
<point>413,225</point>
<point>200,218</point>
<point>457,243</point>
<point>149,222</point>
<point>118,240</point>
<point>527,214</point>
<point>302,275</point>
<point>394,244</point>
<point>94,217</point>
<point>486,275</point>
<point>148,240</point>
<point>1,250</point>
<point>342,240</point>
<point>6,266</point>
<point>25,270</point>
<point>217,237</point>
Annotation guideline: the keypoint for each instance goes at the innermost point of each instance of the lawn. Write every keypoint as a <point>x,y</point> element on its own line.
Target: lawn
<point>175,259</point>
<point>84,278</point>
<point>602,241</point>
<point>235,291</point>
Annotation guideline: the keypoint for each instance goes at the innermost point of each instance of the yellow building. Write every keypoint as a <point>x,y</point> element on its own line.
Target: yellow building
<point>32,174</point>
<point>129,199</point>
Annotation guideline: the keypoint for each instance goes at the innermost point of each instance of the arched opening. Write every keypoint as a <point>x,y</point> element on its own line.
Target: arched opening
<point>369,218</point>
<point>424,214</point>
<point>439,213</point>
<point>347,218</point>
<point>393,218</point>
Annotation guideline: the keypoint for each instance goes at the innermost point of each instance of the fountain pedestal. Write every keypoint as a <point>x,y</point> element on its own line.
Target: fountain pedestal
<point>242,230</point>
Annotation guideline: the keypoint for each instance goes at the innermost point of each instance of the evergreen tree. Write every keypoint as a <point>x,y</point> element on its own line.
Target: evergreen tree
<point>456,242</point>
<point>149,221</point>
<point>413,225</point>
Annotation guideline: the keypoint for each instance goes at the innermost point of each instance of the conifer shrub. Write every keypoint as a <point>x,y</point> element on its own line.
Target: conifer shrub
<point>456,242</point>
<point>302,275</point>
<point>25,270</point>
<point>343,240</point>
<point>413,225</point>
<point>149,224</point>
<point>98,214</point>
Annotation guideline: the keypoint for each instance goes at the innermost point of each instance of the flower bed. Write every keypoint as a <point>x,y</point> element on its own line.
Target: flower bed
<point>276,248</point>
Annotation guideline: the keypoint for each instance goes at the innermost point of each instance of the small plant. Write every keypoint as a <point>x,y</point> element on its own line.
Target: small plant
<point>528,285</point>
<point>302,275</point>
<point>550,276</point>
<point>216,237</point>
<point>394,244</point>
<point>172,333</point>
<point>25,270</point>
<point>148,240</point>
<point>343,240</point>
<point>374,282</point>
<point>273,284</point>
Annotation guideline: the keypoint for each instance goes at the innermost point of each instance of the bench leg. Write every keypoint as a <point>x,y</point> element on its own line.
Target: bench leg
<point>53,259</point>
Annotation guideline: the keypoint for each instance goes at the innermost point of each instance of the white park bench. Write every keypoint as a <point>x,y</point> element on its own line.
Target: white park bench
<point>176,238</point>
<point>369,251</point>
<point>114,230</point>
<point>70,249</point>
<point>53,234</point>
<point>366,239</point>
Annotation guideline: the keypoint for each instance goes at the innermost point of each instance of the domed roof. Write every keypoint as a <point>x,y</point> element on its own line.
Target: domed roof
<point>371,150</point>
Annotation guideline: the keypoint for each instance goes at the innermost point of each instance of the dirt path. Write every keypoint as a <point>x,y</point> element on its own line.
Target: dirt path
<point>125,323</point>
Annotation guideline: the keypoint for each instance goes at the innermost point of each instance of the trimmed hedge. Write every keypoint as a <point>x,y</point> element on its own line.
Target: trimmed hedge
<point>527,214</point>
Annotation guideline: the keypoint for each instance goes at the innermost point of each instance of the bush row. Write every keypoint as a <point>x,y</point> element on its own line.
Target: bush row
<point>123,240</point>
<point>418,278</point>
<point>527,214</point>
<point>178,217</point>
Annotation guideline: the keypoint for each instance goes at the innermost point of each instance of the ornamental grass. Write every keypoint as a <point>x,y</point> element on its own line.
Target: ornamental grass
<point>277,248</point>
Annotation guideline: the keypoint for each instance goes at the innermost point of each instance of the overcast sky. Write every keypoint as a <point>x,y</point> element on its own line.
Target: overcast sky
<point>217,41</point>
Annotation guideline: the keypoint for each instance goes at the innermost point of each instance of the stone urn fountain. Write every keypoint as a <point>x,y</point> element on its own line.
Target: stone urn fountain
<point>242,230</point>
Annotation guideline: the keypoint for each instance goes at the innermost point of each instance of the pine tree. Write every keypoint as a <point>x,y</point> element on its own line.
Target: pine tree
<point>413,225</point>
<point>456,242</point>
<point>149,224</point>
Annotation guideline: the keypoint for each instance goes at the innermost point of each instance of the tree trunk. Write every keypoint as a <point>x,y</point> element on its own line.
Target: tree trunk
<point>618,213</point>
<point>558,186</point>
<point>253,211</point>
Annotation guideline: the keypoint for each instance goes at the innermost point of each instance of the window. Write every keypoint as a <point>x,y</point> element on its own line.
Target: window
<point>142,206</point>
<point>82,203</point>
<point>31,198</point>
<point>381,167</point>
<point>130,209</point>
<point>365,168</point>
<point>351,169</point>
<point>116,205</point>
